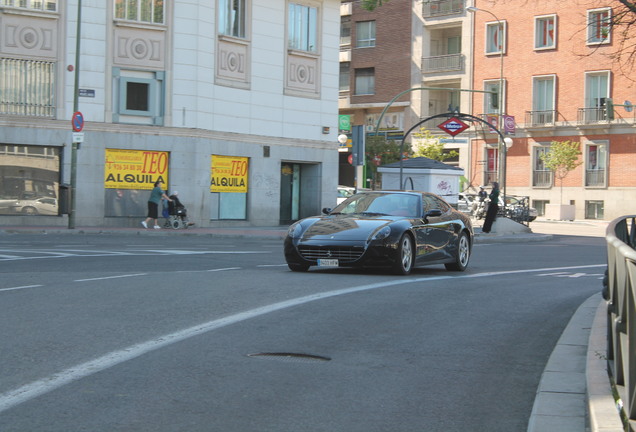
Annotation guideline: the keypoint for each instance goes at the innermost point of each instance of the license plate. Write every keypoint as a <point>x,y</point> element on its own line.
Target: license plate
<point>327,263</point>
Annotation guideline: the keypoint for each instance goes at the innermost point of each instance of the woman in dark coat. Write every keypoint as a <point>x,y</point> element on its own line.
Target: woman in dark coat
<point>493,208</point>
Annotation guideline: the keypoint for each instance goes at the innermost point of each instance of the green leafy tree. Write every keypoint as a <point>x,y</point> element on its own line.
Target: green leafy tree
<point>562,158</point>
<point>371,5</point>
<point>431,147</point>
<point>381,151</point>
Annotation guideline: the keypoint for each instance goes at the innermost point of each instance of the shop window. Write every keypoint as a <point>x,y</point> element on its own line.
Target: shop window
<point>29,180</point>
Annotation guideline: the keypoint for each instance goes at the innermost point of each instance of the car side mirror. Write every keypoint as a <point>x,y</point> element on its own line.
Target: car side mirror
<point>432,213</point>
<point>326,210</point>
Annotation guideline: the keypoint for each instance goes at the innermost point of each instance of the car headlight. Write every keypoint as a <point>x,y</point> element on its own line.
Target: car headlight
<point>383,233</point>
<point>295,230</point>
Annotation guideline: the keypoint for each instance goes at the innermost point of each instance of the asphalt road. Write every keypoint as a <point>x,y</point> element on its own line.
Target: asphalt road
<point>145,333</point>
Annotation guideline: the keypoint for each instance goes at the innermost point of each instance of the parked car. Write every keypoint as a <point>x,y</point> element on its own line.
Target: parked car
<point>42,206</point>
<point>6,203</point>
<point>465,202</point>
<point>344,192</point>
<point>388,229</point>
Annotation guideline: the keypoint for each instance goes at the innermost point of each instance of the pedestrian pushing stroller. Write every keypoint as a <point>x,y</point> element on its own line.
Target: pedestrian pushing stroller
<point>177,217</point>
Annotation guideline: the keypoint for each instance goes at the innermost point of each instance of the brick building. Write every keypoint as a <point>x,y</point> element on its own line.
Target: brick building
<point>557,79</point>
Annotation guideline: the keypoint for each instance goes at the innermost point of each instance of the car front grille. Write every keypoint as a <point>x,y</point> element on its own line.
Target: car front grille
<point>343,254</point>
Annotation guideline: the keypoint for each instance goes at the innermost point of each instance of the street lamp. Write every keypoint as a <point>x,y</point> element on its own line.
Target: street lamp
<point>503,151</point>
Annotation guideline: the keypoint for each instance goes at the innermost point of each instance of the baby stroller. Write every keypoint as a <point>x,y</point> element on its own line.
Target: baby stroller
<point>177,214</point>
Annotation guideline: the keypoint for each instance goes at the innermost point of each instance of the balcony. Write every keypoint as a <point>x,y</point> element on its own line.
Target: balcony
<point>540,118</point>
<point>437,8</point>
<point>592,115</point>
<point>443,63</point>
<point>345,54</point>
<point>595,178</point>
<point>542,178</point>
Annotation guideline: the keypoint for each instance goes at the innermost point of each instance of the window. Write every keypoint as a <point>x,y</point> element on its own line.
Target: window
<point>492,165</point>
<point>365,81</point>
<point>344,76</point>
<point>599,26</point>
<point>491,99</point>
<point>596,92</point>
<point>27,87</point>
<point>232,18</point>
<point>541,175</point>
<point>140,97</point>
<point>149,11</point>
<point>596,164</point>
<point>365,34</point>
<point>594,209</point>
<point>303,28</point>
<point>46,5</point>
<point>345,31</point>
<point>495,38</point>
<point>545,32</point>
<point>543,100</point>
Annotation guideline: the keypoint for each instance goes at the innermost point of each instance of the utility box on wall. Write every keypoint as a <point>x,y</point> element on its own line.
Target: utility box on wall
<point>423,174</point>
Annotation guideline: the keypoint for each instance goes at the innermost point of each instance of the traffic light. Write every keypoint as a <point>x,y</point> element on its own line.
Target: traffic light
<point>609,108</point>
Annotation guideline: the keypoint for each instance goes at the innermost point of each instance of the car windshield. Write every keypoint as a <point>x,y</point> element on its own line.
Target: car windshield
<point>407,205</point>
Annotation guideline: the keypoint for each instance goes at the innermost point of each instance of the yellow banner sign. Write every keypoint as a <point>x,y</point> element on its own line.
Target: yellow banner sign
<point>229,174</point>
<point>135,169</point>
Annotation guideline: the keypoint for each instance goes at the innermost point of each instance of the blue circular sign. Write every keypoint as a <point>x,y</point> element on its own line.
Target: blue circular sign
<point>77,121</point>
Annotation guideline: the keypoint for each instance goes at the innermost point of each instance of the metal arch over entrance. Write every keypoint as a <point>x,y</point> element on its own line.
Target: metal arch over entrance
<point>459,116</point>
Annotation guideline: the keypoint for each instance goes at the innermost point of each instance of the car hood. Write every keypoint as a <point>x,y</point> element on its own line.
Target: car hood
<point>344,227</point>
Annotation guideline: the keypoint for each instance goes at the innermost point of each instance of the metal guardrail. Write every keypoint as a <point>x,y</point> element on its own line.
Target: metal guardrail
<point>620,292</point>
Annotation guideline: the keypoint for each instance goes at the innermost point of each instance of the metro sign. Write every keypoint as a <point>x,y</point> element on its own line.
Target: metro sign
<point>453,126</point>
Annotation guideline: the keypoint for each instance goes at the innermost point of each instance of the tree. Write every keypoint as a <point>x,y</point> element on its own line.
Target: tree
<point>381,151</point>
<point>371,5</point>
<point>562,158</point>
<point>430,146</point>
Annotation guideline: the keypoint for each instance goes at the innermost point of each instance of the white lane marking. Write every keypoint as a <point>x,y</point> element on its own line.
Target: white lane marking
<point>272,265</point>
<point>20,287</point>
<point>189,252</point>
<point>210,270</point>
<point>110,277</point>
<point>87,253</point>
<point>37,388</point>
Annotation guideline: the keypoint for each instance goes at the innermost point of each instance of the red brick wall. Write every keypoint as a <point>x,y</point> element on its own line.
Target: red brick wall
<point>391,57</point>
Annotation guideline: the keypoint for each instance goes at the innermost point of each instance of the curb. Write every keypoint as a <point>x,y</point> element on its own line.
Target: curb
<point>574,393</point>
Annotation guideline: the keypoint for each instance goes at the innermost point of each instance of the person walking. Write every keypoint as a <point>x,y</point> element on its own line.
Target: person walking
<point>156,195</point>
<point>493,208</point>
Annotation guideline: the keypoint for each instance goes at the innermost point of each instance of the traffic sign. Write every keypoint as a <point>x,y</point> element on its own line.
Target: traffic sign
<point>628,106</point>
<point>78,137</point>
<point>77,121</point>
<point>453,126</point>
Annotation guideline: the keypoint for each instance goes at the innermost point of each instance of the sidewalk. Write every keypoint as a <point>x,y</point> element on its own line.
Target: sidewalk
<point>574,393</point>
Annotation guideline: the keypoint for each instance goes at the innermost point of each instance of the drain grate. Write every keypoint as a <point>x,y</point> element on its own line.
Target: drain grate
<point>290,357</point>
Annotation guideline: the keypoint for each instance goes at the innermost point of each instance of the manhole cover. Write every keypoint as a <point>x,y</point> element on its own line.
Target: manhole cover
<point>292,357</point>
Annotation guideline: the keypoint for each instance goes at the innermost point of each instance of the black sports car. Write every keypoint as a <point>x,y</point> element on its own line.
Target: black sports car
<point>396,230</point>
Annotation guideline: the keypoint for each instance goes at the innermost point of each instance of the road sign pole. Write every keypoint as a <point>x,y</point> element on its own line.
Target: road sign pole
<point>71,216</point>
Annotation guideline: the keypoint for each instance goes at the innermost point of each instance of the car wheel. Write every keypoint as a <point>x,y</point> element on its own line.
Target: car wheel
<point>404,264</point>
<point>29,211</point>
<point>463,254</point>
<point>298,267</point>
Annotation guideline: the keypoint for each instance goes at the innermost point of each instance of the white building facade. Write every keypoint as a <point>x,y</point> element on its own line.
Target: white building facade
<point>232,103</point>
